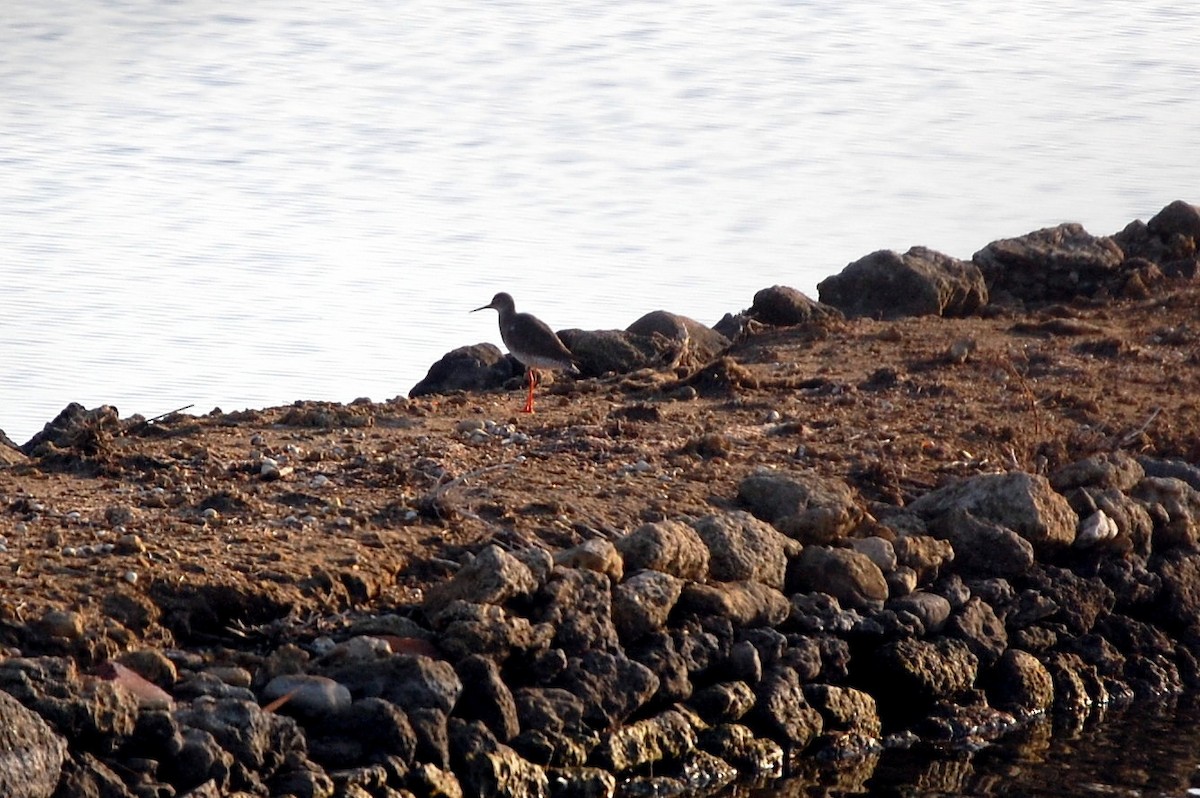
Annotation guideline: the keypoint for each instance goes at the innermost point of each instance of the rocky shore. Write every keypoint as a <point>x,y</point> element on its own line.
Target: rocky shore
<point>948,498</point>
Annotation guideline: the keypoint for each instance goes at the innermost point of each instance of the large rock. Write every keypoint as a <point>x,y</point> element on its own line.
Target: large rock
<point>578,605</point>
<point>95,713</point>
<point>976,625</point>
<point>486,698</point>
<point>782,712</point>
<point>921,282</point>
<point>741,547</point>
<point>697,343</point>
<point>1116,470</point>
<point>745,604</point>
<point>781,306</point>
<point>1019,683</point>
<point>983,548</point>
<point>1025,503</point>
<point>671,547</point>
<point>1174,505</point>
<point>844,709</point>
<point>803,505</point>
<point>851,578</point>
<point>407,680</point>
<point>641,604</point>
<point>907,675</point>
<point>1051,265</point>
<point>31,754</point>
<point>611,686</point>
<point>468,368</point>
<point>492,577</point>
<point>622,352</point>
<point>665,736</point>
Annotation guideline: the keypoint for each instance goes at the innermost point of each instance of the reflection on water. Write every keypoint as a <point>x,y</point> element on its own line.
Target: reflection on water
<point>1143,750</point>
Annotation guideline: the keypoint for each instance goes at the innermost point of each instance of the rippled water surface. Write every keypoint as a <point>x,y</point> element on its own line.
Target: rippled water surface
<point>227,204</point>
<point>1147,750</point>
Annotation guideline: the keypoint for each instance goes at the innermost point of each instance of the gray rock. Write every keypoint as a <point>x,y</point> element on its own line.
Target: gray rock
<point>1050,265</point>
<point>430,780</point>
<point>407,680</point>
<point>486,698</point>
<point>671,547</point>
<point>1174,506</point>
<point>739,746</point>
<point>741,547</point>
<point>879,550</point>
<point>848,576</point>
<point>85,776</point>
<point>803,505</point>
<point>200,760</point>
<point>924,554</point>
<point>380,726</point>
<point>931,609</point>
<point>582,782</point>
<point>723,702</point>
<point>620,352</point>
<point>100,715</point>
<point>578,605</point>
<point>907,675</point>
<point>781,306</point>
<point>745,604</point>
<point>844,709</point>
<point>1116,470</point>
<point>921,282</point>
<point>539,562</point>
<point>468,368</point>
<point>667,735</point>
<point>745,663</point>
<point>311,696</point>
<point>705,774</point>
<point>431,728</point>
<point>901,581</point>
<point>1025,503</point>
<point>612,687</point>
<point>493,577</point>
<point>1019,683</point>
<point>658,652</point>
<point>697,344</point>
<point>491,769</point>
<point>550,709</point>
<point>976,625</point>
<point>983,548</point>
<point>490,630</point>
<point>1176,469</point>
<point>1076,684</point>
<point>598,555</point>
<point>782,712</point>
<point>1180,598</point>
<point>1178,218</point>
<point>31,754</point>
<point>259,740</point>
<point>641,604</point>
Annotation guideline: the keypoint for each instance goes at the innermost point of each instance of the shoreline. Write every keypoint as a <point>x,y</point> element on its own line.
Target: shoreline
<point>955,496</point>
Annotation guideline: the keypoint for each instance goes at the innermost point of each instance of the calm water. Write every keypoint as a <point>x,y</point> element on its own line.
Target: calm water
<point>231,204</point>
<point>1148,750</point>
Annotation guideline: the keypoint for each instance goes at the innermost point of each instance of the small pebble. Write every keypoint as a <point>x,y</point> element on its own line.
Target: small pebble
<point>312,696</point>
<point>130,576</point>
<point>468,425</point>
<point>320,481</point>
<point>256,439</point>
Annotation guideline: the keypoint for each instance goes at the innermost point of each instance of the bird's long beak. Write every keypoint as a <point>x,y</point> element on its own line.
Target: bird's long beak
<point>485,307</point>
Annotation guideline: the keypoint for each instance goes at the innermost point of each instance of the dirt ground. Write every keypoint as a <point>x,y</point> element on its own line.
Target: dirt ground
<point>234,528</point>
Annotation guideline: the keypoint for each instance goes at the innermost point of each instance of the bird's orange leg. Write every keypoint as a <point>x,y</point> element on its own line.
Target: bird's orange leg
<point>533,381</point>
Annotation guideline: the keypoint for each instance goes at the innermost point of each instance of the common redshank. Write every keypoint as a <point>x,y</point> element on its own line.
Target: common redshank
<point>530,341</point>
